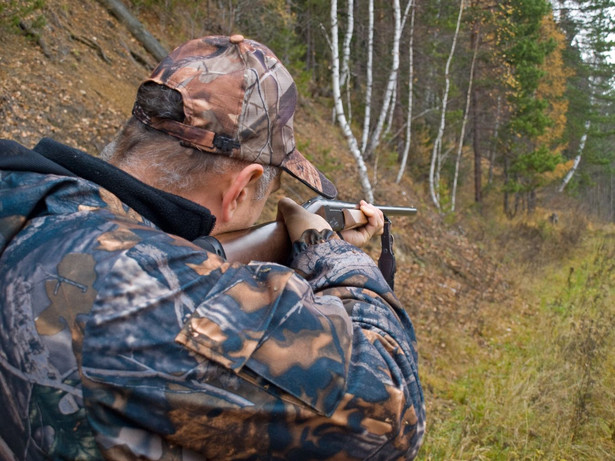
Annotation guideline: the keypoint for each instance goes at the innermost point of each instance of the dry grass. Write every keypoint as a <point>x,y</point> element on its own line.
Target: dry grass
<point>540,382</point>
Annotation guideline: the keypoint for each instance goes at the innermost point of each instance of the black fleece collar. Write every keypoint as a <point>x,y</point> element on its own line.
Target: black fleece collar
<point>173,214</point>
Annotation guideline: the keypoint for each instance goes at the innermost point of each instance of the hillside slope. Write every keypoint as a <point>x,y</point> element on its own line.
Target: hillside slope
<point>76,83</point>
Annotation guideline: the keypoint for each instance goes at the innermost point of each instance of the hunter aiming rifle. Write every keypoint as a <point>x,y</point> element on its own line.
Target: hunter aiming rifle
<point>270,241</point>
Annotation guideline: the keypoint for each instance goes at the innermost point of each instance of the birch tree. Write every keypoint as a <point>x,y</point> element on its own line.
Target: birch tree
<point>339,107</point>
<point>368,75</point>
<point>346,46</point>
<point>436,154</point>
<point>577,159</point>
<point>345,69</point>
<point>392,81</point>
<point>404,159</point>
<point>589,25</point>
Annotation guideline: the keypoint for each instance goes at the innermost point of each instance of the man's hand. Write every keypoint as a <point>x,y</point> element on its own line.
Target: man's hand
<point>359,236</point>
<point>297,219</point>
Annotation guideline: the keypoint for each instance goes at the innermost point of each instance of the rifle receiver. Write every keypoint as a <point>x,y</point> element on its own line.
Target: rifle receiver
<point>346,215</point>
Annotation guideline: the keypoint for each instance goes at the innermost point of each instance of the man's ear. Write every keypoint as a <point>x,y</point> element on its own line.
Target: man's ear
<point>238,190</point>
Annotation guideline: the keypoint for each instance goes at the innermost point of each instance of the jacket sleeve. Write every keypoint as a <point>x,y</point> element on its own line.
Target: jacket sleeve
<point>184,351</point>
<point>383,361</point>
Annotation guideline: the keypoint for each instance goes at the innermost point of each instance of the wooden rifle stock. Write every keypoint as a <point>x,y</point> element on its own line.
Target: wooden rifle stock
<point>270,241</point>
<point>266,242</point>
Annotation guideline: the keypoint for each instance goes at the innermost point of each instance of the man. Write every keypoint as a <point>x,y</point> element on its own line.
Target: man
<point>121,339</point>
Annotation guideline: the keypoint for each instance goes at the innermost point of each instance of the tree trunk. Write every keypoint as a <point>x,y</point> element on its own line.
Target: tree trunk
<point>404,159</point>
<point>463,127</point>
<point>577,159</point>
<point>478,167</point>
<point>369,76</point>
<point>339,107</point>
<point>494,144</point>
<point>434,169</point>
<point>531,201</point>
<point>153,46</point>
<point>375,138</point>
<point>478,170</point>
<point>309,51</point>
<point>344,75</point>
<point>506,203</point>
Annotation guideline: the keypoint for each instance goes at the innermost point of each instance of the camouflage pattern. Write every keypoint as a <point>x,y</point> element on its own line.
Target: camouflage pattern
<point>120,341</point>
<point>239,89</point>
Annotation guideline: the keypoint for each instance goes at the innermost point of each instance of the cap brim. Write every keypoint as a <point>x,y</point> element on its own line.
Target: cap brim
<point>299,167</point>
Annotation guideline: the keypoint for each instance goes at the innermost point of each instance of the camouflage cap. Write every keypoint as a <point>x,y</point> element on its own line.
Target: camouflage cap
<point>239,101</point>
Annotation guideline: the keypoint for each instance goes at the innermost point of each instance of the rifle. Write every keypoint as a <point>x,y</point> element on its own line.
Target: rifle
<point>345,215</point>
<point>270,241</point>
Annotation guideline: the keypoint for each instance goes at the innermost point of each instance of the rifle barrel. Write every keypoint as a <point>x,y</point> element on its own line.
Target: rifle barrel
<point>396,210</point>
<point>314,204</point>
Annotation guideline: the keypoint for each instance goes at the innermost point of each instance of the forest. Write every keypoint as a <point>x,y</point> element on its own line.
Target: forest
<point>495,118</point>
<point>514,96</point>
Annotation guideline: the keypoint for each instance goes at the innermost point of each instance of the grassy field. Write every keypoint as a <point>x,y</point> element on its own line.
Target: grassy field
<point>539,383</point>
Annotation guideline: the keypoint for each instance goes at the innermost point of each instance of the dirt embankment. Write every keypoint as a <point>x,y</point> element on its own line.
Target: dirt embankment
<point>74,81</point>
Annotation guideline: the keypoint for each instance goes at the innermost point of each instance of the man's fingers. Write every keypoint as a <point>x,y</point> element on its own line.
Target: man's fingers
<point>375,218</point>
<point>375,225</point>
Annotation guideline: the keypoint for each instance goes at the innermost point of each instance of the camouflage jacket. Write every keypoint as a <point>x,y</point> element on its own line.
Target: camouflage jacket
<point>120,339</point>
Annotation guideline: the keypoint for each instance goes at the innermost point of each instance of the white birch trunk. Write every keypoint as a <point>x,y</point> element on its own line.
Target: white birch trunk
<point>393,102</point>
<point>463,128</point>
<point>344,75</point>
<point>375,138</point>
<point>577,159</point>
<point>434,169</point>
<point>369,76</point>
<point>339,107</point>
<point>404,159</point>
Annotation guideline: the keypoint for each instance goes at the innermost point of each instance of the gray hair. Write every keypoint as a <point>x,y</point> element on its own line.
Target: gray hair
<point>178,167</point>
